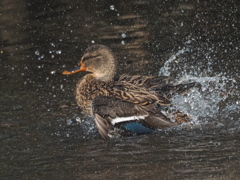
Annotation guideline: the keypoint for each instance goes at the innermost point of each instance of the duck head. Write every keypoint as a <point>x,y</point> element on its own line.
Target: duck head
<point>99,60</point>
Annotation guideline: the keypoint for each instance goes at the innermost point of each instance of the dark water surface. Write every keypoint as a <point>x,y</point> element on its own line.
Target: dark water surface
<point>43,134</point>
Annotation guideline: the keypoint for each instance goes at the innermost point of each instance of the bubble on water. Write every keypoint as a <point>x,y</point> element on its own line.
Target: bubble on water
<point>122,42</point>
<point>112,7</point>
<point>37,52</point>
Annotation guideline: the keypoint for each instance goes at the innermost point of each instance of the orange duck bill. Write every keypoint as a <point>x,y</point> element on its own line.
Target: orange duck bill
<point>74,70</point>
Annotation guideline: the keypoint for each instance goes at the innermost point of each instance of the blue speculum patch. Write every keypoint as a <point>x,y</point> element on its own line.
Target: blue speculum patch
<point>137,128</point>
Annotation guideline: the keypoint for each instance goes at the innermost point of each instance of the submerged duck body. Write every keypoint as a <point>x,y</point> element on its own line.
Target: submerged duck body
<point>125,105</point>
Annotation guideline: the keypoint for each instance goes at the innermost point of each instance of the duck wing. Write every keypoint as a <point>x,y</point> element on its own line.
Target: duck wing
<point>115,116</point>
<point>157,85</point>
<point>141,89</point>
<point>148,82</point>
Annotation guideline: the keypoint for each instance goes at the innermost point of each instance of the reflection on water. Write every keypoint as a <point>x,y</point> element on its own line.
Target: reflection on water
<point>43,134</point>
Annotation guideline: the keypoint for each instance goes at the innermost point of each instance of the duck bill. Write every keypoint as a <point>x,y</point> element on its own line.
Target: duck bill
<point>74,70</point>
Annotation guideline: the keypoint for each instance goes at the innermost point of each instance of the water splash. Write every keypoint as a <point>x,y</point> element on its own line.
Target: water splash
<point>202,102</point>
<point>216,102</point>
<point>87,125</point>
<point>166,69</point>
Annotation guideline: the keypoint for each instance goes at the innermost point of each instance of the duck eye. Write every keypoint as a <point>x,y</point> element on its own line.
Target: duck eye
<point>89,57</point>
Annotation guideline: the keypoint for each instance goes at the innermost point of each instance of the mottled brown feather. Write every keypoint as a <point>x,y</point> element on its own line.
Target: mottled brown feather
<point>106,98</point>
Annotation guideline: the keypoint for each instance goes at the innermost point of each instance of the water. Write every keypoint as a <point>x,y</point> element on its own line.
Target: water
<point>212,99</point>
<point>43,133</point>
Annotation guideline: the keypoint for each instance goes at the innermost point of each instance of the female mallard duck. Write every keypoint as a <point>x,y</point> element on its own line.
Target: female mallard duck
<point>125,105</point>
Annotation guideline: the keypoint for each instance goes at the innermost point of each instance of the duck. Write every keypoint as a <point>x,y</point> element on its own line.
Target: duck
<point>124,105</point>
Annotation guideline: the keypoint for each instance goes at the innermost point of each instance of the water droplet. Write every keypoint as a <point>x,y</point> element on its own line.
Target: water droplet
<point>188,42</point>
<point>53,72</point>
<point>53,45</point>
<point>78,120</point>
<point>93,41</point>
<point>122,42</point>
<point>112,7</point>
<point>124,35</point>
<point>58,51</point>
<point>69,122</point>
<point>37,52</point>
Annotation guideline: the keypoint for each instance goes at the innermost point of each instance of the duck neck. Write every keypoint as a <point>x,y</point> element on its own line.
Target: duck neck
<point>106,77</point>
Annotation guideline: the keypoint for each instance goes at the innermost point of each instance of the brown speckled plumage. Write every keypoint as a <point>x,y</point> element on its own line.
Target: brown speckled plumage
<point>112,100</point>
